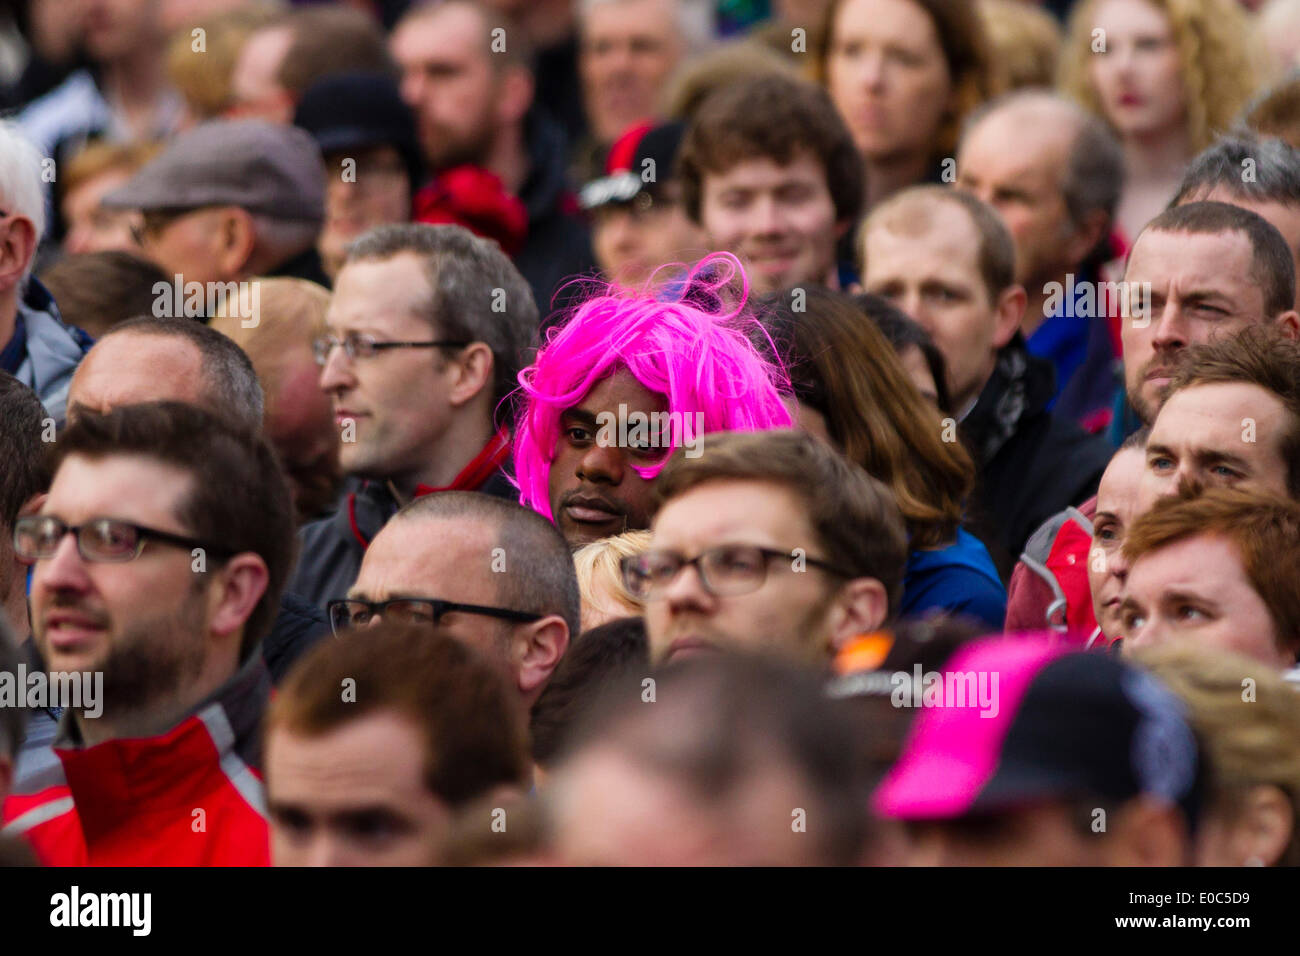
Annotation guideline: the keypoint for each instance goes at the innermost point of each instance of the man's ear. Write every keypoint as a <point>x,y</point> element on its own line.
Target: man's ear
<point>1147,831</point>
<point>30,507</point>
<point>17,246</point>
<point>236,237</point>
<point>1266,827</point>
<point>539,651</point>
<point>474,371</point>
<point>861,607</point>
<point>239,584</point>
<point>1289,323</point>
<point>1087,235</point>
<point>515,92</point>
<point>1010,309</point>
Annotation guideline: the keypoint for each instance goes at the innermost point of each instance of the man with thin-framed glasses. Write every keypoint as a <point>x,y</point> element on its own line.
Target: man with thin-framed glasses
<point>770,541</point>
<point>490,573</point>
<point>158,560</point>
<point>425,330</point>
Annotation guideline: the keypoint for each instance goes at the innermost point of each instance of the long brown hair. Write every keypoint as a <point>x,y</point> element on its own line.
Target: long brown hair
<point>842,366</point>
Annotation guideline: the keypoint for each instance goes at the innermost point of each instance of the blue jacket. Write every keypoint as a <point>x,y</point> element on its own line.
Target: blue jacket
<point>45,351</point>
<point>960,579</point>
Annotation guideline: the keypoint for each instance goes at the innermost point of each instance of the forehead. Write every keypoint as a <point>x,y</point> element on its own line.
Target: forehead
<point>366,761</point>
<point>138,367</point>
<point>1193,260</point>
<point>621,17</point>
<point>1216,415</point>
<point>1208,566</point>
<point>730,512</point>
<point>130,487</point>
<point>380,294</point>
<point>919,239</point>
<point>1131,14</point>
<point>432,557</point>
<point>451,31</point>
<point>902,21</point>
<point>1117,492</point>
<point>763,172</point>
<point>621,388</point>
<point>1042,134</point>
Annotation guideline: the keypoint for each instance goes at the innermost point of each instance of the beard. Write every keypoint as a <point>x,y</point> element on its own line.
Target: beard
<point>150,663</point>
<point>446,149</point>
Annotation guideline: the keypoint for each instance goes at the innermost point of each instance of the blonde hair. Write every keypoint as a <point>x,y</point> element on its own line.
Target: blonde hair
<point>1248,717</point>
<point>600,579</point>
<point>1214,47</point>
<point>291,314</point>
<point>1024,40</point>
<point>203,76</point>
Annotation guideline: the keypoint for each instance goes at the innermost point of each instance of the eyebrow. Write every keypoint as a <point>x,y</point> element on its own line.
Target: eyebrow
<point>1177,596</point>
<point>1199,455</point>
<point>580,415</point>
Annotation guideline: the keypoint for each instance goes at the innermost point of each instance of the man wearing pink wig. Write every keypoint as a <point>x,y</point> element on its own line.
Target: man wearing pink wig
<point>624,382</point>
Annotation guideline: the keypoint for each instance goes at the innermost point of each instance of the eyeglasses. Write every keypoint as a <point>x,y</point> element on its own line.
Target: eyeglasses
<point>355,612</point>
<point>364,346</point>
<point>153,222</point>
<point>724,572</point>
<point>102,540</point>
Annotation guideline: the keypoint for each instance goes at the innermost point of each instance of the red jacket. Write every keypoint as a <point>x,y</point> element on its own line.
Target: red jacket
<point>1049,586</point>
<point>189,797</point>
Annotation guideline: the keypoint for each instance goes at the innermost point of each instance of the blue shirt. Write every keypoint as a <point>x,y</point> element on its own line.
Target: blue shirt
<point>1063,337</point>
<point>959,579</point>
<point>16,350</point>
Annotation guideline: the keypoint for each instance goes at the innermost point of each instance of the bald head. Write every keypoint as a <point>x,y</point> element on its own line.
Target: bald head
<point>151,360</point>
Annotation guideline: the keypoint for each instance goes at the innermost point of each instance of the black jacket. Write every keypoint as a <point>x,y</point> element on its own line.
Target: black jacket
<point>331,549</point>
<point>1029,464</point>
<point>558,245</point>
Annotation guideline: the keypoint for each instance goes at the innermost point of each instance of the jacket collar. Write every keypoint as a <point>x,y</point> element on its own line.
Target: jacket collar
<point>166,770</point>
<point>1019,388</point>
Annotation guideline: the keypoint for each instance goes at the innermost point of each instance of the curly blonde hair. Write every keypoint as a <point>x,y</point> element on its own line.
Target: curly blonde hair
<point>600,578</point>
<point>1214,46</point>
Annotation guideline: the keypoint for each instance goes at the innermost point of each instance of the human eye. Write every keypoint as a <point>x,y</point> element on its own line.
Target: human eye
<point>1190,613</point>
<point>578,434</point>
<point>738,559</point>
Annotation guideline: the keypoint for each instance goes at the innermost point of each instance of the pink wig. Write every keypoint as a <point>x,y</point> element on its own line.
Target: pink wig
<point>696,351</point>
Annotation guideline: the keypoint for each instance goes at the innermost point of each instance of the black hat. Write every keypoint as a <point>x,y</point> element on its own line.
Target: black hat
<point>347,111</point>
<point>640,160</point>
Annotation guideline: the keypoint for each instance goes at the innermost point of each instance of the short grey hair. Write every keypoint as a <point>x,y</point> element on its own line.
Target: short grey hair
<point>541,578</point>
<point>22,191</point>
<point>231,388</point>
<point>1276,170</point>
<point>1094,172</point>
<point>478,294</point>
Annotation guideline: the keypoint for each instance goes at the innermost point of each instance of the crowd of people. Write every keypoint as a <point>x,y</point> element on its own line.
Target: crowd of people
<point>650,432</point>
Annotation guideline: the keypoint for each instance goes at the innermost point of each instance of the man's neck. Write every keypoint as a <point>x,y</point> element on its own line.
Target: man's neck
<point>1157,157</point>
<point>1038,294</point>
<point>161,713</point>
<point>460,445</point>
<point>133,84</point>
<point>509,159</point>
<point>887,176</point>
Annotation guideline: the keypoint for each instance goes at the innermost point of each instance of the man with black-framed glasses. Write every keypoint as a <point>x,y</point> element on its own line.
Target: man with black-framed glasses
<point>425,333</point>
<point>158,559</point>
<point>771,541</point>
<point>490,573</point>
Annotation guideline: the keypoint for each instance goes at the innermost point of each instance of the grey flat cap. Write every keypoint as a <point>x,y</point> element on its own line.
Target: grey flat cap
<point>263,167</point>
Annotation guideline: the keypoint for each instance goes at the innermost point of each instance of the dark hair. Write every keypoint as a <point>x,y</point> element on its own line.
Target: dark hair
<point>1257,355</point>
<point>717,722</point>
<point>771,117</point>
<point>240,499</point>
<point>1272,267</point>
<point>327,40</point>
<point>478,294</point>
<point>903,333</point>
<point>541,577</point>
<point>12,719</point>
<point>97,290</point>
<point>853,515</point>
<point>873,412</point>
<point>474,739</point>
<point>598,657</point>
<point>231,386</point>
<point>1275,166</point>
<point>24,466</point>
<point>996,254</point>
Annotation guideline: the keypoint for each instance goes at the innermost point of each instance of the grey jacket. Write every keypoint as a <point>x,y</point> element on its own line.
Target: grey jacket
<point>53,350</point>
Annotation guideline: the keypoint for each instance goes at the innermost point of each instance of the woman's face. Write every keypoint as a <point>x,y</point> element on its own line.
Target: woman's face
<point>1116,509</point>
<point>1135,68</point>
<point>887,74</point>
